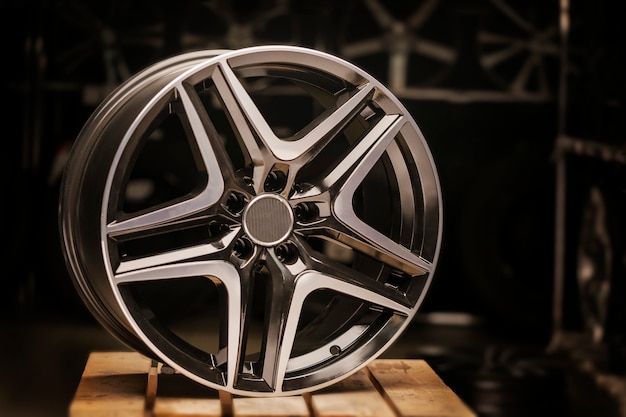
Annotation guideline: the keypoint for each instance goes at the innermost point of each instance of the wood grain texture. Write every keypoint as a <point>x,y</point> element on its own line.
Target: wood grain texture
<point>127,384</point>
<point>415,390</point>
<point>113,385</point>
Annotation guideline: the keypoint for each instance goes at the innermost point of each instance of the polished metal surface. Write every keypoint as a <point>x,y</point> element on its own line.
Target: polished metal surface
<point>278,196</point>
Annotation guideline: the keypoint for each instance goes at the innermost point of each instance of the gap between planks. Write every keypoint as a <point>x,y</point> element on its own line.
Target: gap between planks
<point>114,384</point>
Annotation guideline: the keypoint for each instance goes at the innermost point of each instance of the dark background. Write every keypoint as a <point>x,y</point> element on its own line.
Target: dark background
<point>496,143</point>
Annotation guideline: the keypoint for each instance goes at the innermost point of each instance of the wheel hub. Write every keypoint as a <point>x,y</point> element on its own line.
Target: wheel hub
<point>268,220</point>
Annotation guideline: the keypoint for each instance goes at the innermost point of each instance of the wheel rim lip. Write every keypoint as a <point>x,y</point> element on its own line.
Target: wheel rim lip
<point>225,56</point>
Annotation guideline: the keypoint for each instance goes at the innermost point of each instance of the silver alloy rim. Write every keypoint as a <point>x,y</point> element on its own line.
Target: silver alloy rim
<point>313,227</point>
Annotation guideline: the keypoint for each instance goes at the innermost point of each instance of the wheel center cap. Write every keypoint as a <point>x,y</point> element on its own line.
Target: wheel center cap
<point>268,219</point>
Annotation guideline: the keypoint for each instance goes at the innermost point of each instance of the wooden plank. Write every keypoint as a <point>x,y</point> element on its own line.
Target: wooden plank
<point>179,396</point>
<point>293,406</point>
<point>355,396</point>
<point>113,385</point>
<point>415,390</point>
<point>127,384</point>
<point>187,407</point>
<point>151,385</point>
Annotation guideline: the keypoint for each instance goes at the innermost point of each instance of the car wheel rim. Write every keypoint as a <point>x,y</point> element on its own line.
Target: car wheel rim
<point>300,194</point>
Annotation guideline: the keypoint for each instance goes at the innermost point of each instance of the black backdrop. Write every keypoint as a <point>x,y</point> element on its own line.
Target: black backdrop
<point>493,141</point>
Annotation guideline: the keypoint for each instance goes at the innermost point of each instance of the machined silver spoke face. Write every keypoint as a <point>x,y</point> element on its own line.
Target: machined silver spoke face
<point>265,221</point>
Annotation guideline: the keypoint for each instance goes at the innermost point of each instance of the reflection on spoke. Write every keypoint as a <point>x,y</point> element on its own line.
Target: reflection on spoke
<point>162,218</point>
<point>309,145</point>
<point>235,98</point>
<point>277,344</point>
<point>313,281</point>
<point>236,337</point>
<point>322,265</point>
<point>162,259</point>
<point>360,159</point>
<point>364,154</point>
<point>363,238</point>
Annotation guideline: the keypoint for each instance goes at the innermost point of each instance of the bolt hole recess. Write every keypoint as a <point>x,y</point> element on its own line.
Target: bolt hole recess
<point>287,253</point>
<point>306,212</point>
<point>242,248</point>
<point>275,181</point>
<point>235,203</point>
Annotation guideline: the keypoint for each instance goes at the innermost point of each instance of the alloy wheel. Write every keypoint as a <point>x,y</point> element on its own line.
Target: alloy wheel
<point>279,198</point>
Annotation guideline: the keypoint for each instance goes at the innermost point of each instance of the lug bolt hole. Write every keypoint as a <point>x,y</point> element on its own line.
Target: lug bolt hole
<point>242,248</point>
<point>286,253</point>
<point>305,212</point>
<point>296,189</point>
<point>235,203</point>
<point>275,181</point>
<point>217,229</point>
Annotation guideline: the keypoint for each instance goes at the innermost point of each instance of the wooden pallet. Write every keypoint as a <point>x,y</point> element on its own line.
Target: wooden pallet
<point>127,384</point>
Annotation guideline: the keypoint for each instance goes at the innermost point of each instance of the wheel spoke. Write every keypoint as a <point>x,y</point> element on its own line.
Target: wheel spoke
<point>213,250</point>
<point>264,147</point>
<point>364,239</point>
<point>210,194</point>
<point>247,121</point>
<point>306,146</point>
<point>176,216</point>
<point>214,156</point>
<point>228,278</point>
<point>351,171</point>
<point>234,331</point>
<point>278,339</point>
<point>323,132</point>
<point>349,281</point>
<point>346,172</point>
<point>368,290</point>
<point>342,182</point>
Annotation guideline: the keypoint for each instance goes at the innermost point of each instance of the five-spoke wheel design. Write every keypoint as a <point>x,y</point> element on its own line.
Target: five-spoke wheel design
<point>265,220</point>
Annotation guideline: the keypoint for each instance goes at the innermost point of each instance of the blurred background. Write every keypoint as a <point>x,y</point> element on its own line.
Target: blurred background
<point>521,102</point>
